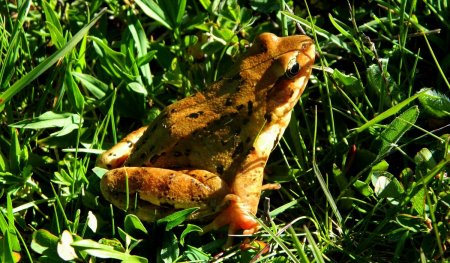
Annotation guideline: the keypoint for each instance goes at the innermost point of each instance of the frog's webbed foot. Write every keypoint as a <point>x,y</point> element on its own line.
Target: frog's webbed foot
<point>237,216</point>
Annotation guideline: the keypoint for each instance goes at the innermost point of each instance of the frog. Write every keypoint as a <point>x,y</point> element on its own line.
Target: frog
<point>209,150</point>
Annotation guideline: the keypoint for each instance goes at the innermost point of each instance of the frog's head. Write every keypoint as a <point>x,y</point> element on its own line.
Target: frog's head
<point>280,68</point>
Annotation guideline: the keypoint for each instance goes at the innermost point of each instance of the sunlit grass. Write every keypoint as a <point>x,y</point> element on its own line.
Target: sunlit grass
<point>363,165</point>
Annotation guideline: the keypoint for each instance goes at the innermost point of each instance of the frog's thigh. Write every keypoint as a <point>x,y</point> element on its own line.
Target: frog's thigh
<point>180,189</point>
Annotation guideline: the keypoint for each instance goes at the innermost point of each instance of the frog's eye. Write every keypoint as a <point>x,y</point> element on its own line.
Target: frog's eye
<point>293,69</point>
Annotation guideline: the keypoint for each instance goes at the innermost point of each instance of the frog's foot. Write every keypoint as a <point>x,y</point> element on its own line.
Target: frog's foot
<point>237,216</point>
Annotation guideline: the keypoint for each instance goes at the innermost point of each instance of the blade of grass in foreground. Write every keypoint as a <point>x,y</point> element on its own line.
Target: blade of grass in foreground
<point>46,64</point>
<point>391,111</point>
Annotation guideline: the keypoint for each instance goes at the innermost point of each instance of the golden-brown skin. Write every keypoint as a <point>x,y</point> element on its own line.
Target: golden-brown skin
<point>210,150</point>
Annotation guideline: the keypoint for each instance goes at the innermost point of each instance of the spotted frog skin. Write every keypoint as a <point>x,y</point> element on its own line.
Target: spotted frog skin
<point>209,150</point>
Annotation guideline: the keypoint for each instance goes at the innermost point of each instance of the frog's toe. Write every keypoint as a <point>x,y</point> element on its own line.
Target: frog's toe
<point>237,216</point>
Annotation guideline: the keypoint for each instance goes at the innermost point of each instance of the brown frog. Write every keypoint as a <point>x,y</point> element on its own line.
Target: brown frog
<point>209,150</point>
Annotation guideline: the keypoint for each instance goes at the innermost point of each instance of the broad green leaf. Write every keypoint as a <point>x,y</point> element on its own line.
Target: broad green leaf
<point>382,166</point>
<point>197,254</point>
<point>388,113</point>
<point>141,42</point>
<point>152,9</point>
<point>13,240</point>
<point>169,250</point>
<point>126,237</point>
<point>424,159</point>
<point>418,201</point>
<point>380,82</point>
<point>189,229</point>
<point>363,187</point>
<point>49,119</point>
<point>265,6</point>
<point>14,153</point>
<point>54,26</point>
<point>51,17</point>
<point>386,185</point>
<point>181,10</point>
<point>436,104</point>
<point>92,221</point>
<point>138,88</point>
<point>416,187</point>
<point>174,11</point>
<point>46,64</point>
<point>42,240</point>
<point>396,129</point>
<point>176,218</point>
<point>147,58</point>
<point>109,53</point>
<point>73,92</point>
<point>206,4</point>
<point>132,224</point>
<point>350,83</point>
<point>95,86</point>
<point>4,165</point>
<point>7,254</point>
<point>57,37</point>
<point>65,250</point>
<point>104,251</point>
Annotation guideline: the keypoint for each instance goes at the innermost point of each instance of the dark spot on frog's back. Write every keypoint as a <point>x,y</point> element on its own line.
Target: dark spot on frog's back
<point>155,158</point>
<point>250,107</point>
<point>195,115</point>
<point>219,169</point>
<point>228,102</point>
<point>238,150</point>
<point>240,107</point>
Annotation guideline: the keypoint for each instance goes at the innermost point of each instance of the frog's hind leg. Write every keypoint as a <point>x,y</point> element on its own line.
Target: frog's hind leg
<point>118,154</point>
<point>165,188</point>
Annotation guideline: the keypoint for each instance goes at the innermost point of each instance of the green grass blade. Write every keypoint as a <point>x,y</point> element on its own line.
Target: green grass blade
<point>391,111</point>
<point>140,38</point>
<point>327,193</point>
<point>46,64</point>
<point>314,248</point>
<point>11,55</point>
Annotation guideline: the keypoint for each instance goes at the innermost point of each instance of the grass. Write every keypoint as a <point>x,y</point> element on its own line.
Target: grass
<point>363,165</point>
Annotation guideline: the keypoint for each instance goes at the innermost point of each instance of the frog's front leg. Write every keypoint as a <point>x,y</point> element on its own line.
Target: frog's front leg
<point>118,154</point>
<point>161,191</point>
